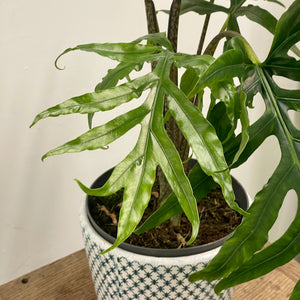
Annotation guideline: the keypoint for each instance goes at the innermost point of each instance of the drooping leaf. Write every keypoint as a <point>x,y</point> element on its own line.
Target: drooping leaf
<point>201,185</point>
<point>116,51</point>
<point>203,140</point>
<point>152,149</point>
<point>170,163</point>
<point>131,56</point>
<point>252,234</point>
<point>273,256</point>
<point>258,15</point>
<point>99,101</point>
<point>102,135</point>
<point>140,165</point>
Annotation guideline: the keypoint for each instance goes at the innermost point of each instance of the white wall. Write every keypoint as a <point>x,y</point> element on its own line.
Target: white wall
<point>40,201</point>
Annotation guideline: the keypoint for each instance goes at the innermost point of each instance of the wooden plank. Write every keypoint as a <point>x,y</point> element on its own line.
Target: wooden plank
<point>276,285</point>
<point>69,279</point>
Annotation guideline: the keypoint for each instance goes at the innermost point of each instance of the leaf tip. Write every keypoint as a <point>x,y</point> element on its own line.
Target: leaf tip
<point>36,119</point>
<point>109,249</point>
<point>59,56</point>
<point>56,65</point>
<point>82,186</point>
<point>194,277</point>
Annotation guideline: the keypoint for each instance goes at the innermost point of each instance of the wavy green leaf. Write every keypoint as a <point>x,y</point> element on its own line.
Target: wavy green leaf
<point>121,52</point>
<point>131,56</point>
<point>103,135</point>
<point>241,250</point>
<point>171,165</point>
<point>203,140</point>
<point>140,165</point>
<point>152,149</point>
<point>101,100</point>
<point>273,256</point>
<point>258,15</point>
<point>252,234</point>
<point>236,109</point>
<point>201,185</point>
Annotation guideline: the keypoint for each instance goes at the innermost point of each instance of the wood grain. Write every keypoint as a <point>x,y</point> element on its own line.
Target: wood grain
<point>277,285</point>
<point>69,278</point>
<point>66,279</point>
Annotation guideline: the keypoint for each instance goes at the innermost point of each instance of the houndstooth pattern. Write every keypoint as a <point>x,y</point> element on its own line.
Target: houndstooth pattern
<point>118,277</point>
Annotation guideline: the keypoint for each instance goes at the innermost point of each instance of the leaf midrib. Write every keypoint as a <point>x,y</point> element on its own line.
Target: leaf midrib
<point>274,104</point>
<point>200,136</point>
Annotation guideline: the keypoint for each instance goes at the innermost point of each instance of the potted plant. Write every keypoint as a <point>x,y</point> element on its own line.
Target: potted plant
<point>173,125</point>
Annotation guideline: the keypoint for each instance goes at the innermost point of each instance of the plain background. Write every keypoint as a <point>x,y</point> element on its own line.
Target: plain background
<point>39,202</point>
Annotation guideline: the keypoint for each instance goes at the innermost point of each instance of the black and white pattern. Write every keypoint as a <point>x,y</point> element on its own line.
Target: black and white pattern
<point>123,275</point>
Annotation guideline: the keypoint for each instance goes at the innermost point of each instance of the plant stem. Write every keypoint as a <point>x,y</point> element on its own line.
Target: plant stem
<point>172,129</point>
<point>152,23</point>
<point>173,33</point>
<point>204,31</point>
<point>171,126</point>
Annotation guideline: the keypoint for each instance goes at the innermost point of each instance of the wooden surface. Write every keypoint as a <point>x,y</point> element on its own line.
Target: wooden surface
<point>69,278</point>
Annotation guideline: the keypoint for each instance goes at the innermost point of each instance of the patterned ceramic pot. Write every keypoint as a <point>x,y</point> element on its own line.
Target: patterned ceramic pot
<point>131,272</point>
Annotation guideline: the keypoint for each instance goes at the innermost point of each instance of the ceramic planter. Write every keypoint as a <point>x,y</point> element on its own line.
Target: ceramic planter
<point>131,272</point>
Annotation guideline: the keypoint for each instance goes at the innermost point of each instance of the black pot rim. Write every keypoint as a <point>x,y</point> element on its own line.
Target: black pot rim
<point>241,199</point>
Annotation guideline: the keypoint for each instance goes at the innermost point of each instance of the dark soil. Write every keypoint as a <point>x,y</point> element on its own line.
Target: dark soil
<point>217,220</point>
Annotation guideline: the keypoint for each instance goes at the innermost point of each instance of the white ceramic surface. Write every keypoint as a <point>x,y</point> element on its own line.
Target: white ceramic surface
<point>120,274</point>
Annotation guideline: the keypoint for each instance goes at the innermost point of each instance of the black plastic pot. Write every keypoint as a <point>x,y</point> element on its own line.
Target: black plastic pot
<point>241,199</point>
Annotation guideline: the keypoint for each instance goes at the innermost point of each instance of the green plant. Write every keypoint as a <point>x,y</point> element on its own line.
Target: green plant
<point>171,121</point>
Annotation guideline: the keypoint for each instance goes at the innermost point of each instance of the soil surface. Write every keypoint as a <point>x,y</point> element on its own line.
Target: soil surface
<point>217,220</point>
